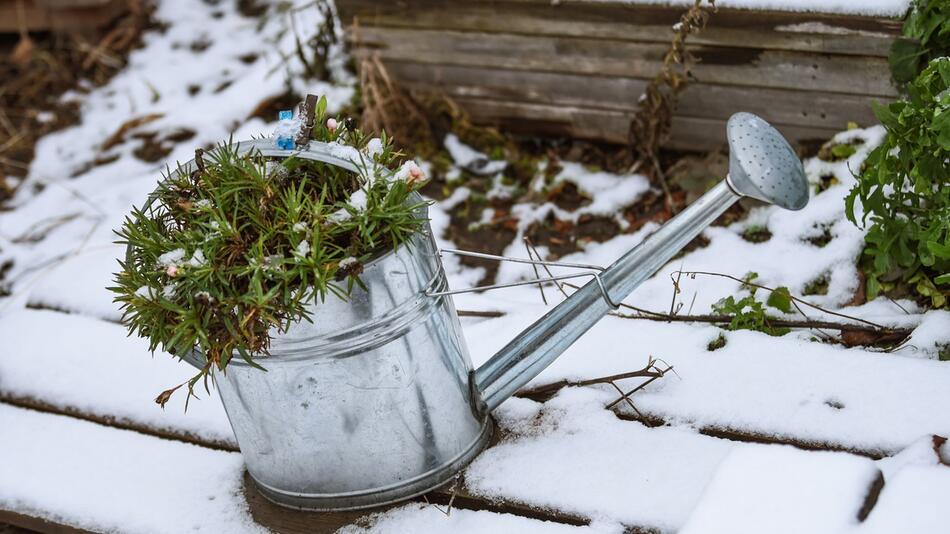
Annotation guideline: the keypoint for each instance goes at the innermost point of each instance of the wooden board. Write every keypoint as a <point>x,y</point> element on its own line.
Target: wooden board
<point>746,67</point>
<point>782,106</point>
<point>612,126</point>
<point>83,16</point>
<point>578,67</point>
<point>36,524</point>
<point>772,30</point>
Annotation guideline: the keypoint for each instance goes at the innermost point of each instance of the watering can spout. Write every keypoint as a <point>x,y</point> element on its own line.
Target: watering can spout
<point>762,165</point>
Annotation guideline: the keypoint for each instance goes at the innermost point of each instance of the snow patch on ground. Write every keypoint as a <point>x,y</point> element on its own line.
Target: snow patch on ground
<point>783,490</point>
<point>572,455</point>
<point>108,480</point>
<point>914,500</point>
<point>70,361</point>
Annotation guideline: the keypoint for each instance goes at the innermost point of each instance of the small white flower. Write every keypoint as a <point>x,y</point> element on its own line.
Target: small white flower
<point>172,270</point>
<point>300,227</point>
<point>303,248</point>
<point>349,262</point>
<point>332,124</point>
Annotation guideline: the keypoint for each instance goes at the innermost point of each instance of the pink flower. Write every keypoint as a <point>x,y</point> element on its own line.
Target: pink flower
<point>415,175</point>
<point>332,125</point>
<point>172,270</point>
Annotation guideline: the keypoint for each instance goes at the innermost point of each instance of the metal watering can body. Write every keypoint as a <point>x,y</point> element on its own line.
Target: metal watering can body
<point>376,400</point>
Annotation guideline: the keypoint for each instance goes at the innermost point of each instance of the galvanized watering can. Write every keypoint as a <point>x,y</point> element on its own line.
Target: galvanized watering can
<point>376,400</point>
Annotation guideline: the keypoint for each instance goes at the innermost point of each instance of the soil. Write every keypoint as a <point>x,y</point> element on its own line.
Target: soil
<point>33,82</point>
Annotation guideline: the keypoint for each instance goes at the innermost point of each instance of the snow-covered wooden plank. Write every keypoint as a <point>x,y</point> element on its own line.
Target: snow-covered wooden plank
<point>423,519</point>
<point>783,490</point>
<point>913,500</point>
<point>761,28</point>
<point>91,366</point>
<point>570,454</point>
<point>102,479</point>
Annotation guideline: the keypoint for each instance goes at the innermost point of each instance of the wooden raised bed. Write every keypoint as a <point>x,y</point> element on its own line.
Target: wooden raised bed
<point>576,68</point>
<point>82,16</point>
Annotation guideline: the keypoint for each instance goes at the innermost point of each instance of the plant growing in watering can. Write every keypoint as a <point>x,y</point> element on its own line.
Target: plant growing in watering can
<point>226,253</point>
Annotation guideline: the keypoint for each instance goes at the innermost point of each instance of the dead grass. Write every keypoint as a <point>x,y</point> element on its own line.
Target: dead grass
<point>38,69</point>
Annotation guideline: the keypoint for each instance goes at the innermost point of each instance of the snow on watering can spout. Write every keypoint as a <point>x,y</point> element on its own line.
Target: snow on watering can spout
<point>375,400</point>
<point>762,165</point>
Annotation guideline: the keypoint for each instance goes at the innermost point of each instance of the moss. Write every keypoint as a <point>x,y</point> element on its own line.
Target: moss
<point>717,343</point>
<point>818,286</point>
<point>756,234</point>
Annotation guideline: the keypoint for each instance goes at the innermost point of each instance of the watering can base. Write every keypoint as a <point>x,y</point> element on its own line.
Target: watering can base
<point>382,496</point>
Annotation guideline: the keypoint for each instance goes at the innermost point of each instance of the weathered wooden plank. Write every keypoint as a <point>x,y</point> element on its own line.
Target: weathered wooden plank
<point>286,521</point>
<point>611,126</point>
<point>80,15</point>
<point>783,106</point>
<point>749,67</point>
<point>811,32</point>
<point>36,524</point>
<point>268,514</point>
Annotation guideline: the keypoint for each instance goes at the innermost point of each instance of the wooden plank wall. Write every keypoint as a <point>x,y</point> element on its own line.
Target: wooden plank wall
<point>577,67</point>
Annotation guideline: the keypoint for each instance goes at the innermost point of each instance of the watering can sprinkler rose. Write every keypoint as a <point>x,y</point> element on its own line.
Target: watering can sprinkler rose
<point>374,399</point>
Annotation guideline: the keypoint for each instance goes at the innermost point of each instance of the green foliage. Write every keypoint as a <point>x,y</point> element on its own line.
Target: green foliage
<point>717,343</point>
<point>241,245</point>
<point>926,36</point>
<point>904,189</point>
<point>749,314</point>
<point>843,151</point>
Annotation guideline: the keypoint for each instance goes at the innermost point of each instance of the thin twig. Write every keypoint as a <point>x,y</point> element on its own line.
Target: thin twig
<point>531,251</point>
<point>792,297</point>
<point>649,371</point>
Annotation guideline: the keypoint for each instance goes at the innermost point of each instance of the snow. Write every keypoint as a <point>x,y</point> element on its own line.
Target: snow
<point>422,518</point>
<point>568,454</point>
<point>470,159</point>
<point>78,283</point>
<point>883,8</point>
<point>932,335</point>
<point>783,490</point>
<point>70,361</point>
<point>103,479</point>
<point>302,249</point>
<point>920,453</point>
<point>915,500</point>
<point>172,257</point>
<point>374,147</point>
<point>572,455</point>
